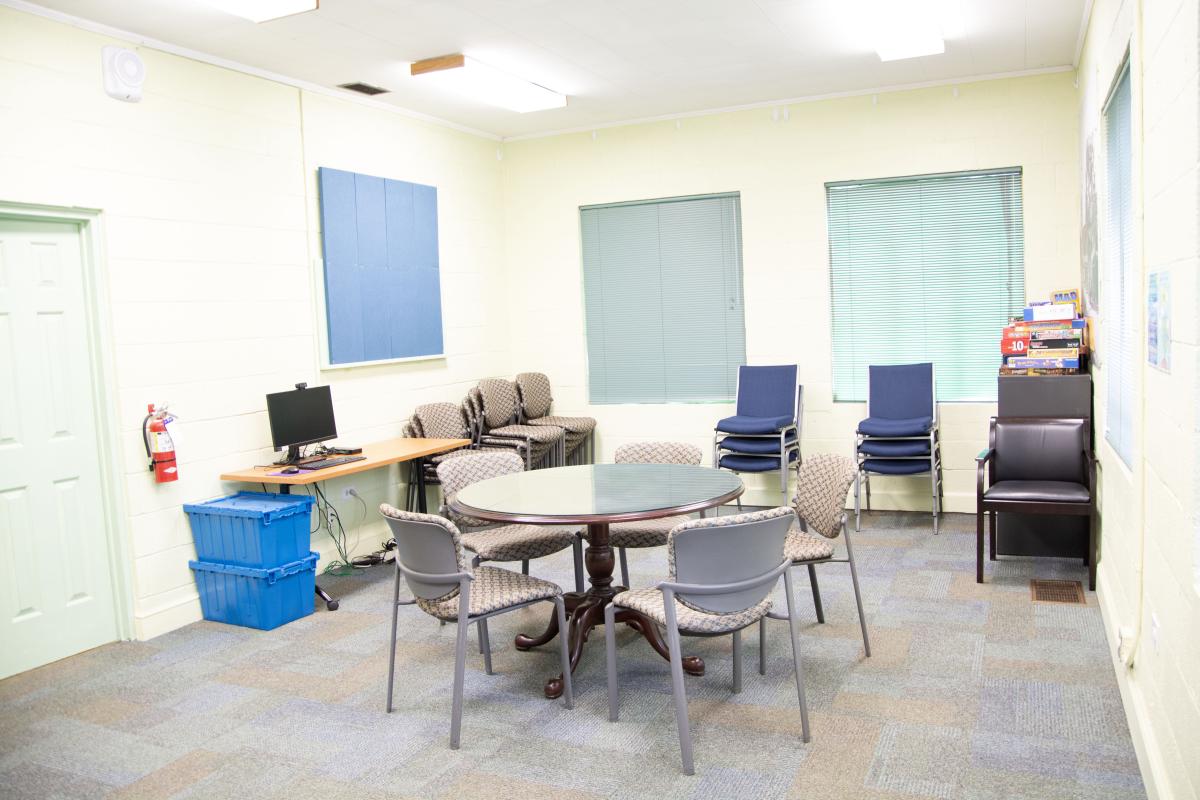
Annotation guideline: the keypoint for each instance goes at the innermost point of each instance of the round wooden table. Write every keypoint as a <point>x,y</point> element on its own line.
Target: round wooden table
<point>597,495</point>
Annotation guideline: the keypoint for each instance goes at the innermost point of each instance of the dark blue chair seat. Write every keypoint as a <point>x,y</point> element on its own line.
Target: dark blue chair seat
<point>880,426</point>
<point>744,424</point>
<point>741,463</point>
<point>755,446</point>
<point>889,448</point>
<point>899,466</point>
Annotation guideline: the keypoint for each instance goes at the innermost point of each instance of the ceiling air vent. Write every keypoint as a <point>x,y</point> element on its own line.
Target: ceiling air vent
<point>363,88</point>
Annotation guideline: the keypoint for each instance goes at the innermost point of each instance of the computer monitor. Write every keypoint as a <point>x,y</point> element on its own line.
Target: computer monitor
<point>302,416</point>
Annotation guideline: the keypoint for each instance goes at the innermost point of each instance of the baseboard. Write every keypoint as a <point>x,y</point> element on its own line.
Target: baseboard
<point>1145,742</point>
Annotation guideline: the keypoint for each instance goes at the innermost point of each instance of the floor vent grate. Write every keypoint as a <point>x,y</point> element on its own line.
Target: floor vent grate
<point>1044,591</point>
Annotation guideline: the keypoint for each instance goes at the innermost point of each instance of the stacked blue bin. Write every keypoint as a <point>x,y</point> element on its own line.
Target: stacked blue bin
<point>253,565</point>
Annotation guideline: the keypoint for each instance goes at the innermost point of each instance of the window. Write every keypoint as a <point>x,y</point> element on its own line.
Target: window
<point>1119,290</point>
<point>926,268</point>
<point>662,282</point>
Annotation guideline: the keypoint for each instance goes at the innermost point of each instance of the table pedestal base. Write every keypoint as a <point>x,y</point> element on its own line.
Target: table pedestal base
<point>585,611</point>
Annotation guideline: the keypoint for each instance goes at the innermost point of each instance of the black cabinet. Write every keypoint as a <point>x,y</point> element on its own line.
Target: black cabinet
<point>1044,396</point>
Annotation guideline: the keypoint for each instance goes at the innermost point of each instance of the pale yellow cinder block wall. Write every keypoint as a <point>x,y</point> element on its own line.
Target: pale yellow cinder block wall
<point>1148,571</point>
<point>209,200</point>
<point>779,160</point>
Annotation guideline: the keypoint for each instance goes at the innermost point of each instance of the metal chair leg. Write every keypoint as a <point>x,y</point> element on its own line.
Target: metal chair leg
<point>862,618</point>
<point>677,690</point>
<point>460,659</point>
<point>624,567</point>
<point>392,648</point>
<point>816,592</point>
<point>560,608</point>
<point>858,500</point>
<point>610,649</point>
<point>806,734</point>
<point>485,646</point>
<point>933,484</point>
<point>737,662</point>
<point>525,566</point>
<point>762,646</point>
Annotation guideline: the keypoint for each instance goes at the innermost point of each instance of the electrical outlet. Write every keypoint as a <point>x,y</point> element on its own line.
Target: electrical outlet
<point>348,492</point>
<point>1154,631</point>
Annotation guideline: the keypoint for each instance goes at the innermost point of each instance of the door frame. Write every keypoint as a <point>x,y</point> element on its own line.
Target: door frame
<point>90,224</point>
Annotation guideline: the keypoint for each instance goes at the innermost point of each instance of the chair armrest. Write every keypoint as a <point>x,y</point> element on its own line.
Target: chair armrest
<point>981,462</point>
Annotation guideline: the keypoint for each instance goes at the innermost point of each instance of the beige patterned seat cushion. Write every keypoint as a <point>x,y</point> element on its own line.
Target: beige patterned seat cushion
<point>576,425</point>
<point>690,620</point>
<point>801,546</point>
<point>517,542</point>
<point>492,590</point>
<point>644,532</point>
<point>544,434</point>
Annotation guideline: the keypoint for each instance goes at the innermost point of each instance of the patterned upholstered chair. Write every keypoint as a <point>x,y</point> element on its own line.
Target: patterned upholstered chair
<point>649,532</point>
<point>498,412</point>
<point>536,401</point>
<point>722,571</point>
<point>429,555</point>
<point>435,421</point>
<point>502,542</point>
<point>822,483</point>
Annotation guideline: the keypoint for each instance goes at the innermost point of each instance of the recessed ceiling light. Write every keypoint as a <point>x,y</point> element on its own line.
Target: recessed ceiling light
<point>478,81</point>
<point>264,10</point>
<point>906,29</point>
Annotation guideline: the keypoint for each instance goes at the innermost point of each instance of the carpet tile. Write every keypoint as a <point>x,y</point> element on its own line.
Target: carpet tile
<point>972,692</point>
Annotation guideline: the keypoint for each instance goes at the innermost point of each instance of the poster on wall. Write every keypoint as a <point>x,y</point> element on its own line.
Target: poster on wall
<point>1158,321</point>
<point>1089,246</point>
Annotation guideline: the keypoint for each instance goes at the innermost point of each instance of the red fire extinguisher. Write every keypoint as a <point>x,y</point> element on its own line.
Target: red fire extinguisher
<point>160,449</point>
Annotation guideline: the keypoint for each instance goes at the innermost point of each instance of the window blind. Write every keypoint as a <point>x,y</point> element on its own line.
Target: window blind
<point>926,268</point>
<point>1119,290</point>
<point>663,299</point>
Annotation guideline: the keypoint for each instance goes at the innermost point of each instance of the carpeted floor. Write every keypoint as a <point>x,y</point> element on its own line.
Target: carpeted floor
<point>971,692</point>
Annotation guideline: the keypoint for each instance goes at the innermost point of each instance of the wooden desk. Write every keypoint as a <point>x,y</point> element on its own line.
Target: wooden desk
<point>377,454</point>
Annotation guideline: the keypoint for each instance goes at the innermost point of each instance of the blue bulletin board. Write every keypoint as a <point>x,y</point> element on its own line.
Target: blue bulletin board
<point>382,282</point>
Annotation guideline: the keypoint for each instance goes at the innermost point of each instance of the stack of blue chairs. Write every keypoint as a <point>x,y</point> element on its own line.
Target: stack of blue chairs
<point>900,434</point>
<point>764,435</point>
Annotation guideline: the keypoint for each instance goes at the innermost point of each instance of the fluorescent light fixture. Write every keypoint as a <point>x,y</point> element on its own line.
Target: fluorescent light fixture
<point>484,83</point>
<point>906,29</point>
<point>264,10</point>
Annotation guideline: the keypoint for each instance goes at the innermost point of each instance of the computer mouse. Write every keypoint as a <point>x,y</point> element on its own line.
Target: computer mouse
<point>290,470</point>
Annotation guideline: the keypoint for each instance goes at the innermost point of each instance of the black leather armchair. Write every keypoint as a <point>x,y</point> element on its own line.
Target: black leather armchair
<point>1039,465</point>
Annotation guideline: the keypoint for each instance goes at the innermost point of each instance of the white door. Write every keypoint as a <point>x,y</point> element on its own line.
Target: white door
<point>56,586</point>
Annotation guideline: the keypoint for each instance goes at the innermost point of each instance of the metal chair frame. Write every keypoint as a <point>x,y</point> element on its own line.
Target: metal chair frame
<point>786,448</point>
<point>464,621</point>
<point>863,475</point>
<point>816,593</point>
<point>669,590</point>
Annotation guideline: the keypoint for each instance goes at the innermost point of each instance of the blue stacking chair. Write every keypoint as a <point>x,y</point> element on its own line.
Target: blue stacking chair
<point>900,434</point>
<point>764,435</point>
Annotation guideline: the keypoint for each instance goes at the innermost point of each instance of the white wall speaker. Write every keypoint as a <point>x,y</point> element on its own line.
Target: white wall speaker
<point>124,73</point>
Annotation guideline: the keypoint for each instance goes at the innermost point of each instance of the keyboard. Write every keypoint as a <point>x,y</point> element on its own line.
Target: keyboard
<point>326,463</point>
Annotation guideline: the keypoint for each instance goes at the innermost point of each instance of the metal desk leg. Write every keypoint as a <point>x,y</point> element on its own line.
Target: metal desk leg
<point>330,603</point>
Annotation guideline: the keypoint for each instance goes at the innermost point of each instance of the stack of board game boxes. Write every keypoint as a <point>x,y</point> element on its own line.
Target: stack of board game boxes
<point>1050,338</point>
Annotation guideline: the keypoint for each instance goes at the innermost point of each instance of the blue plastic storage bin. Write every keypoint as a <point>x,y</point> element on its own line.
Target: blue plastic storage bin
<point>256,598</point>
<point>251,529</point>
